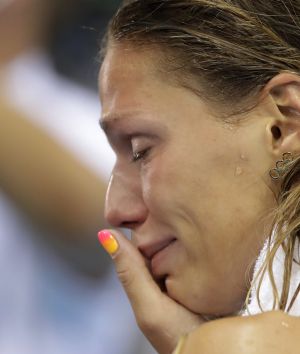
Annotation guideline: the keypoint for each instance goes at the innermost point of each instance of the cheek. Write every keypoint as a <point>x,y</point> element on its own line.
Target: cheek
<point>163,185</point>
<point>171,190</point>
<point>154,187</point>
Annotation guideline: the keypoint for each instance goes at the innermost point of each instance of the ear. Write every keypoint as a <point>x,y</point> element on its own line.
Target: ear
<point>284,131</point>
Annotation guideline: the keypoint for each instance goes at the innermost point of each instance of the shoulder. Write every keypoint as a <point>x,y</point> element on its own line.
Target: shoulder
<point>273,332</point>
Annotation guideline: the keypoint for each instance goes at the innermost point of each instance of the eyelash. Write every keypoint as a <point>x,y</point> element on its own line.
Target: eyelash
<point>140,155</point>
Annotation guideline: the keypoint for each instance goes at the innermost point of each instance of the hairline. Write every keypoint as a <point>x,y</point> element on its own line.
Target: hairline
<point>222,110</point>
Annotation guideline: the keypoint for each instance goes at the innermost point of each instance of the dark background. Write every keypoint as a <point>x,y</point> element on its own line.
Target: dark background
<point>77,33</point>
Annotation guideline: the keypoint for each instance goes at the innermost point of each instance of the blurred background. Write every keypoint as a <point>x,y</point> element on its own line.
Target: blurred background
<point>58,292</point>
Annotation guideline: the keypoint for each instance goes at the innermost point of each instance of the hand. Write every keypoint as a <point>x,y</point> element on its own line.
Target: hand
<point>160,318</point>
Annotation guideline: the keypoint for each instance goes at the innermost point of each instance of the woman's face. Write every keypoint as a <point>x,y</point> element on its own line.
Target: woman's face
<point>194,191</point>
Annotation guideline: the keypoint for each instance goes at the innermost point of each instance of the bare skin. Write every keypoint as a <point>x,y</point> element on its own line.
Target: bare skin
<point>273,332</point>
<point>195,193</point>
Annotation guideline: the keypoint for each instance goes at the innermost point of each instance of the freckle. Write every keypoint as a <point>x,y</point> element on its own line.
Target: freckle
<point>238,171</point>
<point>284,324</point>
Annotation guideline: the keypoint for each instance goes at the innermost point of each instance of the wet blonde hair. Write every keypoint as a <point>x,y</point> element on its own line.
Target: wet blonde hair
<point>226,51</point>
<point>286,235</point>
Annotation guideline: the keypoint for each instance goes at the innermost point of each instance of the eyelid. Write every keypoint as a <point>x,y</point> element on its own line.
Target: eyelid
<point>140,155</point>
<point>141,146</point>
<point>140,142</point>
<point>125,144</point>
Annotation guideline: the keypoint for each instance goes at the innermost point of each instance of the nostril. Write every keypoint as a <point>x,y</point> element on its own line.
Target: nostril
<point>130,225</point>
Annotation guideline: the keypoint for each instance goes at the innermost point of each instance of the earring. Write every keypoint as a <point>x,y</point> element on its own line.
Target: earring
<point>281,166</point>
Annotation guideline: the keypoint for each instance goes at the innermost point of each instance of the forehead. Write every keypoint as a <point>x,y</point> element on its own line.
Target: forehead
<point>126,65</point>
<point>129,80</point>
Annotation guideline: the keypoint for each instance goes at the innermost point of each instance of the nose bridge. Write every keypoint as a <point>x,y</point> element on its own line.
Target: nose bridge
<point>124,203</point>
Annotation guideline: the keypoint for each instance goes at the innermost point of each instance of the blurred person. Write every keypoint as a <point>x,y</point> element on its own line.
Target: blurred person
<point>56,294</point>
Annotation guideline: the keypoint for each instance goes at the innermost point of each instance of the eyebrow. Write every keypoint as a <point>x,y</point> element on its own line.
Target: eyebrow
<point>106,124</point>
<point>108,121</point>
<point>111,119</point>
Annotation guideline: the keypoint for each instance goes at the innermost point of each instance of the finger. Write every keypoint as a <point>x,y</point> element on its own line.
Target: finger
<point>161,319</point>
<point>141,289</point>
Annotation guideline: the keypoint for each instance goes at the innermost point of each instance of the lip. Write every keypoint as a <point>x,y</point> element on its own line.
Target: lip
<point>160,259</point>
<point>150,250</point>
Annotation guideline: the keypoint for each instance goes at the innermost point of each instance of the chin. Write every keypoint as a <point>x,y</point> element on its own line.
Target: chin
<point>211,305</point>
<point>176,293</point>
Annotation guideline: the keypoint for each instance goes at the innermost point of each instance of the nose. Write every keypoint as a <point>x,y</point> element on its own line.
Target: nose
<point>124,205</point>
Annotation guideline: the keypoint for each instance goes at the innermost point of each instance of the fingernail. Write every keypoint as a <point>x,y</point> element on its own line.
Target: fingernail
<point>108,242</point>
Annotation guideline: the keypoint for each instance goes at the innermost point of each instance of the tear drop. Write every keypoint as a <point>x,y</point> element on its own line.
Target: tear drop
<point>238,171</point>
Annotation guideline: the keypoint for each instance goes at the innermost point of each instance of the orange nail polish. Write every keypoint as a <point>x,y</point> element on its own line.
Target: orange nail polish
<point>108,241</point>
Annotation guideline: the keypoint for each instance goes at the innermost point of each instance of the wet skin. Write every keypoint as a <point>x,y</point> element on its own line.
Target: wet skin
<point>193,189</point>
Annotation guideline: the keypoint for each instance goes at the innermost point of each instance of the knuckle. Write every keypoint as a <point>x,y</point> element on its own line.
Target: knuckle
<point>125,277</point>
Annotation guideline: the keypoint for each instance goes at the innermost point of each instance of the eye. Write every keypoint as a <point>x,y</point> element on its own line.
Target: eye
<point>140,155</point>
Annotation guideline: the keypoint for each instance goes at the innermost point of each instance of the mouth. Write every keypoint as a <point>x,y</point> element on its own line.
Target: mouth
<point>159,259</point>
<point>158,253</point>
<point>150,251</point>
